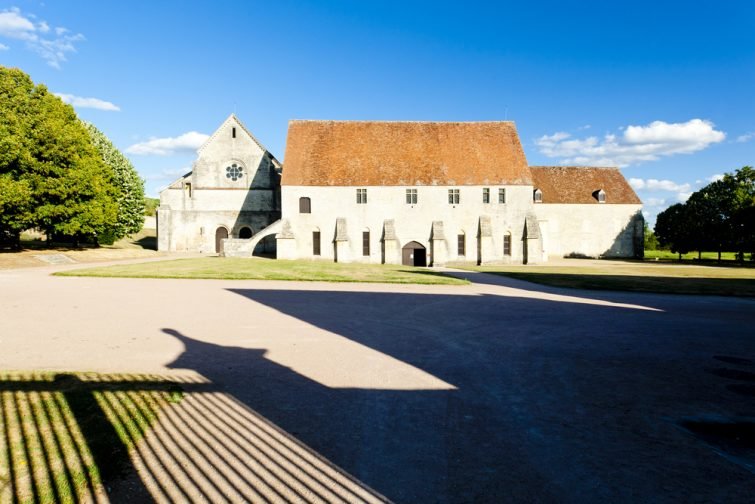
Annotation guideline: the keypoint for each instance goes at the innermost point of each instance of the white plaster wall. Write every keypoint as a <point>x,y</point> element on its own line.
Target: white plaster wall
<point>593,230</point>
<point>412,222</point>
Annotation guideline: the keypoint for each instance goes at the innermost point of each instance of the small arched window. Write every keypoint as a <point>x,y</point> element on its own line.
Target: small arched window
<point>538,196</point>
<point>305,205</point>
<point>245,233</point>
<point>600,195</point>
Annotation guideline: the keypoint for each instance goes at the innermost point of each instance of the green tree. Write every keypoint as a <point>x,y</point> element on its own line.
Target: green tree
<point>674,229</point>
<point>53,177</point>
<point>650,240</point>
<point>128,184</point>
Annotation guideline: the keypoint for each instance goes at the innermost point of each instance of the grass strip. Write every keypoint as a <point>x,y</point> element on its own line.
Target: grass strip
<point>266,269</point>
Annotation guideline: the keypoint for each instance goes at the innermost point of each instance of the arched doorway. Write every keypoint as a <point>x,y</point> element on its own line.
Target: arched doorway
<point>220,234</point>
<point>414,254</point>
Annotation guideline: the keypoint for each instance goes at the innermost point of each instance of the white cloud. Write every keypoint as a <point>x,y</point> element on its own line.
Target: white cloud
<point>188,142</point>
<point>53,48</point>
<point>715,178</point>
<point>4,47</point>
<point>746,137</point>
<point>683,196</point>
<point>635,144</point>
<point>658,185</point>
<point>93,103</point>
<point>168,174</point>
<point>654,202</point>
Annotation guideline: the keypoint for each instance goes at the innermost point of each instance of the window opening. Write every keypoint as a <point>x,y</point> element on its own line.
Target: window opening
<point>411,196</point>
<point>365,243</point>
<point>305,205</point>
<point>453,196</point>
<point>234,172</point>
<point>361,196</point>
<point>316,243</point>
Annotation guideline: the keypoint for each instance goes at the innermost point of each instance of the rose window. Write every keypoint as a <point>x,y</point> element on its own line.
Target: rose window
<point>234,172</point>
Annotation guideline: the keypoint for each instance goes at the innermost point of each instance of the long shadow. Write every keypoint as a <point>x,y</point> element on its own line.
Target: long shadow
<point>548,400</point>
<point>64,422</point>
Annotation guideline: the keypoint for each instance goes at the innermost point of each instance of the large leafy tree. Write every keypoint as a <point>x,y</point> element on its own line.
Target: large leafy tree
<point>674,229</point>
<point>129,186</point>
<point>718,217</point>
<point>52,177</point>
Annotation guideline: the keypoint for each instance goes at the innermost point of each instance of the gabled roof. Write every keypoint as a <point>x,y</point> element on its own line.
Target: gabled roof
<point>576,184</point>
<point>379,153</point>
<point>230,118</point>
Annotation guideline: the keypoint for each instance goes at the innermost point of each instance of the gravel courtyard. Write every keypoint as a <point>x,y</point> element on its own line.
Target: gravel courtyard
<point>497,391</point>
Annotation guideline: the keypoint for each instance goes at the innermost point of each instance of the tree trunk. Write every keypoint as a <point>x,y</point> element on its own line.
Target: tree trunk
<point>680,257</point>
<point>719,255</point>
<point>699,255</point>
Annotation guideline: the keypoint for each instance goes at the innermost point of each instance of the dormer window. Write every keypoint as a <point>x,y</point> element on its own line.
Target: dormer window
<point>537,196</point>
<point>600,195</point>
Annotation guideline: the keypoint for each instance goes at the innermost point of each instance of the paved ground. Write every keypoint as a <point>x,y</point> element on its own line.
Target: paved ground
<point>497,391</point>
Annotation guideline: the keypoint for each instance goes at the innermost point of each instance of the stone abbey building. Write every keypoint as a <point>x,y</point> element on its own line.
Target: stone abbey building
<point>416,193</point>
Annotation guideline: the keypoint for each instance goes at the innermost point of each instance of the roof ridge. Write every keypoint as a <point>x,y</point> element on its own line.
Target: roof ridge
<point>579,167</point>
<point>354,121</point>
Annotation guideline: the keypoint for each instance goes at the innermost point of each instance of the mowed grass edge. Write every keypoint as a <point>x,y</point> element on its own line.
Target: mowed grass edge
<point>634,277</point>
<point>219,268</point>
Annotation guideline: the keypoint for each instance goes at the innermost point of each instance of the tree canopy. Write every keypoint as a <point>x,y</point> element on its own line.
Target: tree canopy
<point>54,176</point>
<point>129,186</point>
<point>718,217</point>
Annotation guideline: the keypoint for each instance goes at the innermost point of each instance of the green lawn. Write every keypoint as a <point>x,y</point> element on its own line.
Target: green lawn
<point>227,268</point>
<point>634,277</point>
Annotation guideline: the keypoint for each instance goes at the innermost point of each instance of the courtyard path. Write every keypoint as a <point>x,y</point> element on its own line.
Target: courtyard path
<point>496,391</point>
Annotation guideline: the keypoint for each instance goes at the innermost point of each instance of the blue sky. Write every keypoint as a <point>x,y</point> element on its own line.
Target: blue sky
<point>662,89</point>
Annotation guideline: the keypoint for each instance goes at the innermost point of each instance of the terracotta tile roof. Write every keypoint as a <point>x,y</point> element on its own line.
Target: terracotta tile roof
<point>376,153</point>
<point>576,184</point>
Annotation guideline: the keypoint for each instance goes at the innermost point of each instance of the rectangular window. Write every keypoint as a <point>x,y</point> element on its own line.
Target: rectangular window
<point>305,205</point>
<point>411,196</point>
<point>233,132</point>
<point>316,243</point>
<point>188,188</point>
<point>453,196</point>
<point>461,247</point>
<point>501,195</point>
<point>507,245</point>
<point>361,196</point>
<point>486,195</point>
<point>365,243</point>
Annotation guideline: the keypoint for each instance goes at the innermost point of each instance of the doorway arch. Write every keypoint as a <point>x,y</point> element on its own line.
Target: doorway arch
<point>221,234</point>
<point>414,254</point>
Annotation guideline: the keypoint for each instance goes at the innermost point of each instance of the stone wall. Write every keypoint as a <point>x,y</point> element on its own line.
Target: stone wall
<point>595,230</point>
<point>411,222</point>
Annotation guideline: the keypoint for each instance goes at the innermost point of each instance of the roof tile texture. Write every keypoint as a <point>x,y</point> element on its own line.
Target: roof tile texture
<point>576,184</point>
<point>375,153</point>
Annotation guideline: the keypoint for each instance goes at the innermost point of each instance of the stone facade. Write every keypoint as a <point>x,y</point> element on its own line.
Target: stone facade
<point>395,193</point>
<point>232,191</point>
<point>391,223</point>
